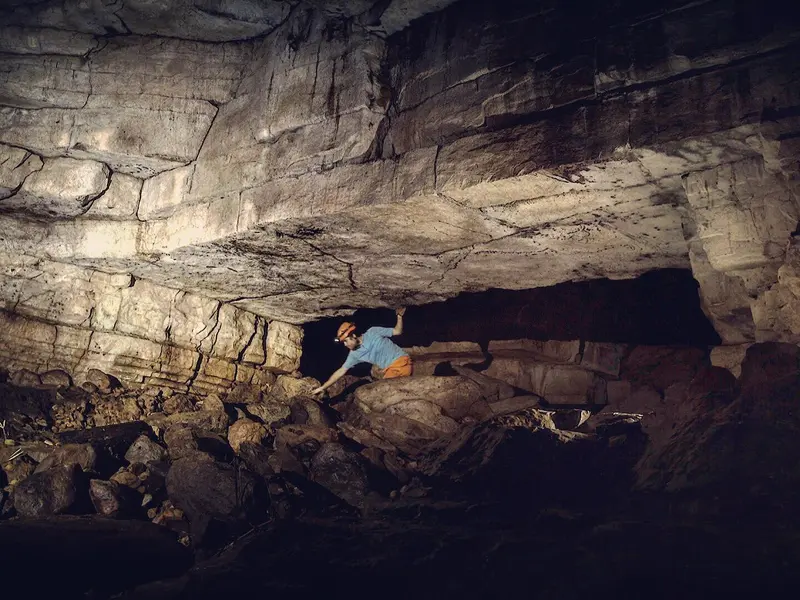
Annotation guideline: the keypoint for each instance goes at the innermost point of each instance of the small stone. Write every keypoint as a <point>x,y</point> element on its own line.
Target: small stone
<point>110,499</point>
<point>177,403</point>
<point>90,387</point>
<point>25,378</point>
<point>56,378</point>
<point>147,499</point>
<point>151,513</point>
<point>103,381</point>
<point>126,478</point>
<point>180,441</point>
<point>288,388</point>
<point>393,494</point>
<point>243,393</point>
<point>213,403</point>
<point>271,412</point>
<point>145,450</point>
<point>245,430</point>
<point>83,455</point>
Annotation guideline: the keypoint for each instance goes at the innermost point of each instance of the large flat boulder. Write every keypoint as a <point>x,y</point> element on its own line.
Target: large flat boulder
<point>456,396</point>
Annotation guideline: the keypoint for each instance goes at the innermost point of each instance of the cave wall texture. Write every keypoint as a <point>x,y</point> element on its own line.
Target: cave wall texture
<point>183,183</point>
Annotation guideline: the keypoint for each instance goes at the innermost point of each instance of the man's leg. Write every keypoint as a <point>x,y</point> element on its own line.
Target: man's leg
<point>402,367</point>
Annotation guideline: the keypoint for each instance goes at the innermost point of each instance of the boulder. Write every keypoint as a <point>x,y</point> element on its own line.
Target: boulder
<point>177,403</point>
<point>662,366</point>
<point>603,357</point>
<point>738,457</point>
<point>308,411</point>
<point>493,389</point>
<point>522,460</point>
<point>374,457</point>
<point>244,393</point>
<point>287,388</point>
<point>407,435</point>
<point>206,420</point>
<point>364,437</point>
<point>729,357</point>
<point>283,460</point>
<point>256,457</point>
<point>213,403</point>
<point>426,413</point>
<point>144,450</point>
<point>83,455</point>
<point>154,478</point>
<point>712,385</point>
<point>103,381</point>
<point>207,489</point>
<point>457,396</point>
<point>512,405</point>
<point>56,378</point>
<point>292,436</point>
<point>341,472</point>
<point>126,478</point>
<point>180,441</point>
<point>271,412</point>
<point>245,430</point>
<point>25,378</point>
<point>111,499</point>
<point>183,440</point>
<point>52,492</point>
<point>769,363</point>
<point>111,440</point>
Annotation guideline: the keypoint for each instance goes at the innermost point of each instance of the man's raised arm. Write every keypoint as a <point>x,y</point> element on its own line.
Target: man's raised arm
<point>398,328</point>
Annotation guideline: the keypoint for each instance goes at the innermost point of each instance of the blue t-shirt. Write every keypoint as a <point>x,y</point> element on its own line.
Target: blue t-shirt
<point>375,348</point>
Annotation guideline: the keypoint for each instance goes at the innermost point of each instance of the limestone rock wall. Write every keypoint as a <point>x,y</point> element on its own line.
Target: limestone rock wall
<point>743,221</point>
<point>57,316</point>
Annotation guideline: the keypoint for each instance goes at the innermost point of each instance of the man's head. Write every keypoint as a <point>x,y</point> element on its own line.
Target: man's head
<point>347,335</point>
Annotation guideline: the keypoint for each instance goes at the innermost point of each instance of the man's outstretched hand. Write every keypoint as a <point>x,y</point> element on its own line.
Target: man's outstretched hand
<point>400,311</point>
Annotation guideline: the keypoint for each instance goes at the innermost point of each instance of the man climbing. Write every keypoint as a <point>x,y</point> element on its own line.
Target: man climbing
<point>373,346</point>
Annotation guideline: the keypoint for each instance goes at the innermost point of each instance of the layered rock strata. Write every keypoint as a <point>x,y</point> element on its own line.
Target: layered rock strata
<point>58,316</point>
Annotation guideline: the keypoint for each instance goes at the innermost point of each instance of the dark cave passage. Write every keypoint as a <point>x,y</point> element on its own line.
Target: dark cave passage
<point>660,308</point>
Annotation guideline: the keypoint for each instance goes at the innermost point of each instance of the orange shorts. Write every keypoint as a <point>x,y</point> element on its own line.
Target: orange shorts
<point>402,367</point>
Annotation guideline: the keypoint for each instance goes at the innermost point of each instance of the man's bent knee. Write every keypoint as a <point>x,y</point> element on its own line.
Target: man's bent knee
<point>402,367</point>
